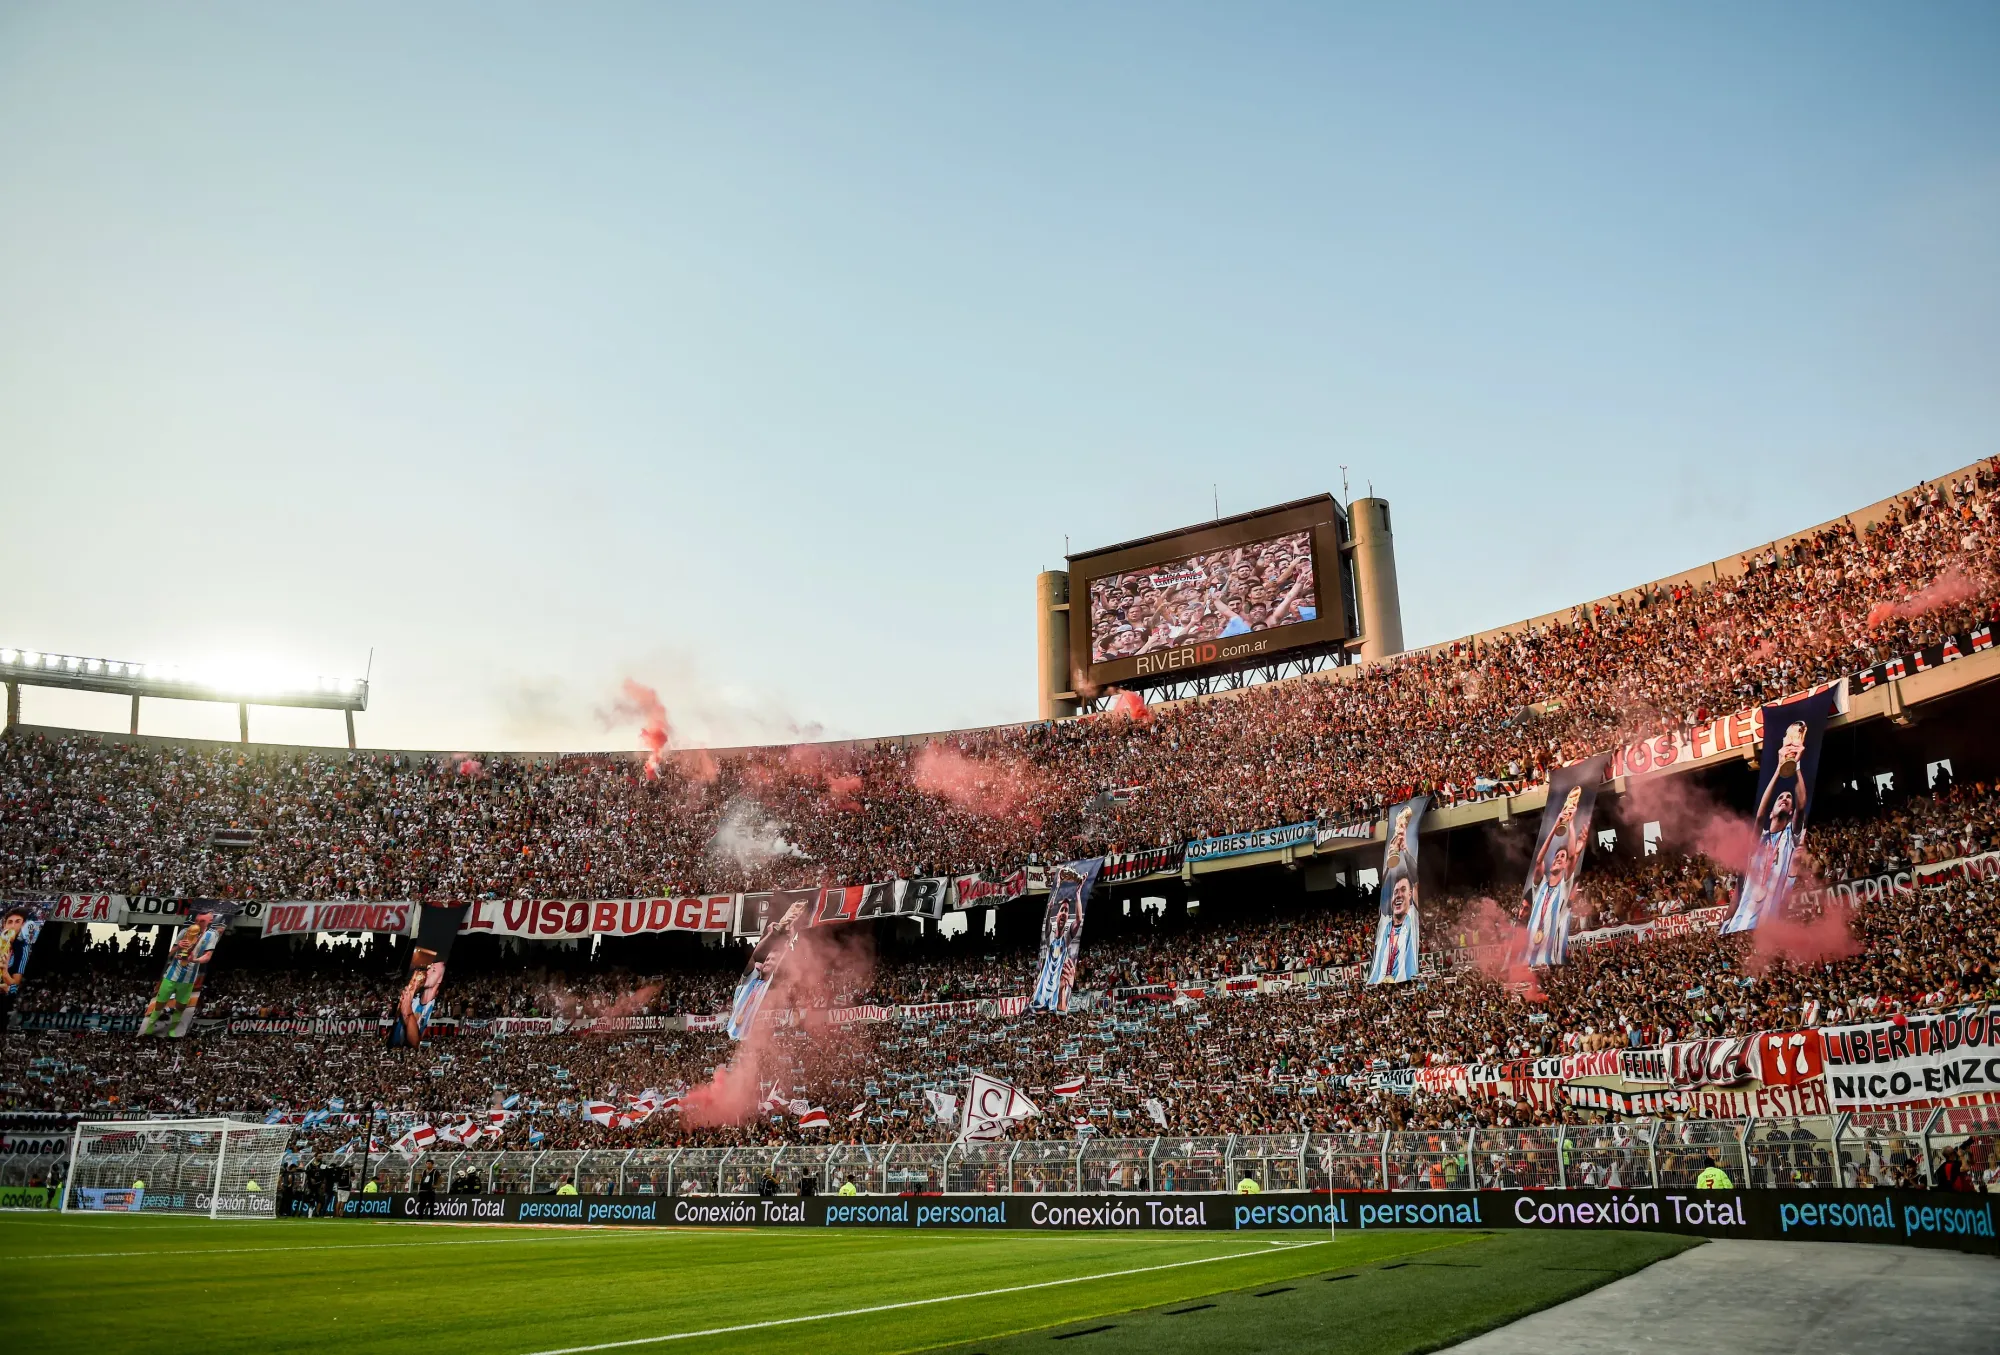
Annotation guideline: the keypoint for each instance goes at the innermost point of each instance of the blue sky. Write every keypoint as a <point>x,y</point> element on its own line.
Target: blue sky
<point>764,353</point>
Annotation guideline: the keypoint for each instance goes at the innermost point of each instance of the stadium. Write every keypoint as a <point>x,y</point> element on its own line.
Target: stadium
<point>522,990</point>
<point>756,892</point>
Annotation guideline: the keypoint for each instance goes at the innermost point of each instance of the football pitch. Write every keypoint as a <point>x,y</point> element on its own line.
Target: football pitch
<point>122,1283</point>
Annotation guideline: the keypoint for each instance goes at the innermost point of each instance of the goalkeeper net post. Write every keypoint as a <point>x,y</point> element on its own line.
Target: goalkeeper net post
<point>219,1168</point>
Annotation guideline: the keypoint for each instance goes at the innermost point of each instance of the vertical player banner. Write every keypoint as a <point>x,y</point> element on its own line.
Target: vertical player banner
<point>1565,834</point>
<point>171,1012</point>
<point>774,946</point>
<point>1062,933</point>
<point>1785,772</point>
<point>437,929</point>
<point>20,924</point>
<point>1397,939</point>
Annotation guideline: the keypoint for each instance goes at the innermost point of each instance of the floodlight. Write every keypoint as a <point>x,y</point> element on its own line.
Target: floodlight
<point>241,683</point>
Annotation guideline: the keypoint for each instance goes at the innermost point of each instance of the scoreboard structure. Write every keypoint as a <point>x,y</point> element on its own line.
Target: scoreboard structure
<point>1273,593</point>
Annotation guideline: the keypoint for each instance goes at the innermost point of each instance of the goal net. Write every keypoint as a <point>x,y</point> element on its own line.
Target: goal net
<point>220,1168</point>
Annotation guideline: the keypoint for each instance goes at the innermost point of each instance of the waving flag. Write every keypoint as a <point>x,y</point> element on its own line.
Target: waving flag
<point>944,1106</point>
<point>854,1116</point>
<point>1071,1086</point>
<point>415,1140</point>
<point>990,1106</point>
<point>813,1118</point>
<point>599,1112</point>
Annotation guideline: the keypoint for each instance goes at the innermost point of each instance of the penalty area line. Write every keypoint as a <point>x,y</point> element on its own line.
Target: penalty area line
<point>905,1303</point>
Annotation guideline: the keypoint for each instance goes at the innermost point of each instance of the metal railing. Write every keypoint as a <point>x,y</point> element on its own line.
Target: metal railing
<point>1824,1152</point>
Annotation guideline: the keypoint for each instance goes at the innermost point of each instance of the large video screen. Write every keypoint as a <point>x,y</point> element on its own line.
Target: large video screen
<point>1234,592</point>
<point>1238,590</point>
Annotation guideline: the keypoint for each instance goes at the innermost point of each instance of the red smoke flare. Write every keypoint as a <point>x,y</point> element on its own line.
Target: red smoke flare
<point>642,701</point>
<point>1726,837</point>
<point>1502,943</point>
<point>827,964</point>
<point>1947,589</point>
<point>1131,706</point>
<point>996,787</point>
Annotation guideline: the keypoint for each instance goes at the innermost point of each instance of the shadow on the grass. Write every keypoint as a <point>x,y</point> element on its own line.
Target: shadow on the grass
<point>1403,1307</point>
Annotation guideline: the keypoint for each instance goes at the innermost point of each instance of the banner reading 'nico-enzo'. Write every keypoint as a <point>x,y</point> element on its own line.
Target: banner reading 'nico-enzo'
<point>171,1012</point>
<point>1559,849</point>
<point>1062,933</point>
<point>1397,938</point>
<point>1785,773</point>
<point>437,929</point>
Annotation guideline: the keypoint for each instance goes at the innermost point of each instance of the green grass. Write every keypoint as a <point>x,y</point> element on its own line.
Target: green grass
<point>1398,1307</point>
<point>113,1284</point>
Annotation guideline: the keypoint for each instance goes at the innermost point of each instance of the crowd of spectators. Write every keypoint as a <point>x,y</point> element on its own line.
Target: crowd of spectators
<point>87,813</point>
<point>1288,1058</point>
<point>82,813</point>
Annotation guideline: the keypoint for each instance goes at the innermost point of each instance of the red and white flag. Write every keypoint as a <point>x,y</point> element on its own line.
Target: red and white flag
<point>601,1112</point>
<point>990,1106</point>
<point>813,1118</point>
<point>415,1140</point>
<point>854,1116</point>
<point>1071,1086</point>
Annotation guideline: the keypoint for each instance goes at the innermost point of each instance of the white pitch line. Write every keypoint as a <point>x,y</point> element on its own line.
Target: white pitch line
<point>906,1303</point>
<point>597,1236</point>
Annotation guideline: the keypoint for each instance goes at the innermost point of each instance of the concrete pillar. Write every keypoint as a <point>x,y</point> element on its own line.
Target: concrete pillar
<point>350,729</point>
<point>135,712</point>
<point>1057,697</point>
<point>13,704</point>
<point>1375,579</point>
<point>243,721</point>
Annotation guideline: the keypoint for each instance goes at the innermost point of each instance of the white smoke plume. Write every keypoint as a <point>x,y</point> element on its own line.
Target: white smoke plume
<point>749,836</point>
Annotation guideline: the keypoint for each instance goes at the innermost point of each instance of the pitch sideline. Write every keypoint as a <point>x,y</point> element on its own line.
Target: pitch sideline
<point>911,1303</point>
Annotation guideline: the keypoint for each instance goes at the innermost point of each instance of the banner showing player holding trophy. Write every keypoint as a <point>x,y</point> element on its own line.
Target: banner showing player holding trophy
<point>437,929</point>
<point>1565,835</point>
<point>1397,932</point>
<point>1785,774</point>
<point>773,948</point>
<point>171,1012</point>
<point>20,924</point>
<point>1062,933</point>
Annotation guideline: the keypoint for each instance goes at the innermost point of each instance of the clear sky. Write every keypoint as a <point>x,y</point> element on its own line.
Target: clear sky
<point>765,352</point>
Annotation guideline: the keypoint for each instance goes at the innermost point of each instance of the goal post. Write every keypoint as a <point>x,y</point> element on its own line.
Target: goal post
<point>219,1168</point>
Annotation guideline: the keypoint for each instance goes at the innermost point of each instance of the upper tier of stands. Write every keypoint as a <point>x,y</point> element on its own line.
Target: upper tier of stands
<point>87,812</point>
